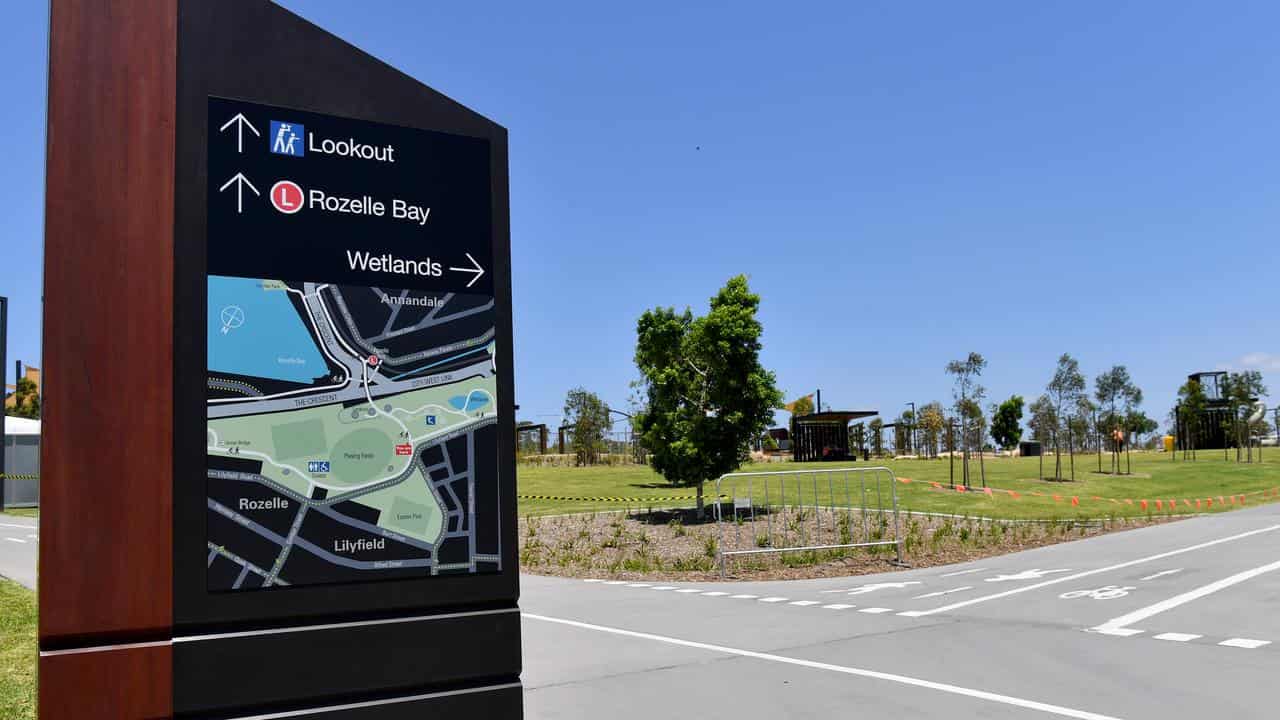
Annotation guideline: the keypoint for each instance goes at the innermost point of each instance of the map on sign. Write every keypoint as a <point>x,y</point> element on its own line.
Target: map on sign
<point>351,425</point>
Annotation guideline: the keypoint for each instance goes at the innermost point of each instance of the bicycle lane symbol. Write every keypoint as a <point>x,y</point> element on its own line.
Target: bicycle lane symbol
<point>1106,592</point>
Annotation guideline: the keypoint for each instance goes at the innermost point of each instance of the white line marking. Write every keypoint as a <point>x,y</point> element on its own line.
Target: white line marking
<point>24,527</point>
<point>1162,573</point>
<point>715,593</point>
<point>1087,573</point>
<point>663,587</point>
<point>1118,632</point>
<point>837,606</point>
<point>876,611</point>
<point>24,542</point>
<point>743,597</point>
<point>639,584</point>
<point>804,603</point>
<point>773,599</point>
<point>943,592</point>
<point>873,674</point>
<point>1124,621</point>
<point>1245,643</point>
<point>593,580</point>
<point>1177,637</point>
<point>962,572</point>
<point>615,582</point>
<point>689,590</point>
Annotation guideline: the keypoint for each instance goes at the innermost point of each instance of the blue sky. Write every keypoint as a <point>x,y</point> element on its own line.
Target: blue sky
<point>902,182</point>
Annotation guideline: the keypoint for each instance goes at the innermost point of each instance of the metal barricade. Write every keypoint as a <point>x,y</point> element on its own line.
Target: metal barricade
<point>807,510</point>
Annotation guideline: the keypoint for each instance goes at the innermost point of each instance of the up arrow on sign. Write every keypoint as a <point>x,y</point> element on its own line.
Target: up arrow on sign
<point>240,182</point>
<point>241,122</point>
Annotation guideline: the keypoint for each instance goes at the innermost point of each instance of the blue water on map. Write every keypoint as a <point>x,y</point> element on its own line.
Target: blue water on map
<point>467,403</point>
<point>257,332</point>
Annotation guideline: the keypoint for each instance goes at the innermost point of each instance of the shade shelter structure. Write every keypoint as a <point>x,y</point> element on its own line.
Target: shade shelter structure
<point>824,435</point>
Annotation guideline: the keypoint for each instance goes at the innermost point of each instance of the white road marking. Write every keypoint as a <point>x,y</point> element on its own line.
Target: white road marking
<point>942,592</point>
<point>864,589</point>
<point>1245,643</point>
<point>24,527</point>
<point>1177,637</point>
<point>743,597</point>
<point>17,540</point>
<point>1058,710</point>
<point>689,590</point>
<point>876,611</point>
<point>1162,573</point>
<point>804,603</point>
<point>1124,621</point>
<point>715,593</point>
<point>962,572</point>
<point>615,582</point>
<point>837,606</point>
<point>1035,574</point>
<point>593,580</point>
<point>639,584</point>
<point>1087,573</point>
<point>663,587</point>
<point>773,599</point>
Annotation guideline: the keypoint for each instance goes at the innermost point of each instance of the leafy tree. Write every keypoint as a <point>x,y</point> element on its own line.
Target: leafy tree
<point>1006,422</point>
<point>968,395</point>
<point>1044,424</point>
<point>26,400</point>
<point>877,437</point>
<point>1118,396</point>
<point>708,395</point>
<point>1242,389</point>
<point>1191,406</point>
<point>1064,390</point>
<point>800,406</point>
<point>932,425</point>
<point>589,416</point>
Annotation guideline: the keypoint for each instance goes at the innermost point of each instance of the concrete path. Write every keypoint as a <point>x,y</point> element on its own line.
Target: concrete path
<point>19,548</point>
<point>1173,621</point>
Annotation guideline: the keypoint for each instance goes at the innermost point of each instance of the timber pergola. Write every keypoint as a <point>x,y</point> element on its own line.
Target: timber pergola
<point>824,435</point>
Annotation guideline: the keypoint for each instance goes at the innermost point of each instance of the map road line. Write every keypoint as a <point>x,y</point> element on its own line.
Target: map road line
<point>859,672</point>
<point>1087,573</point>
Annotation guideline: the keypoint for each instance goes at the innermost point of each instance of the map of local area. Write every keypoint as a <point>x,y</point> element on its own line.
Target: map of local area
<point>352,434</point>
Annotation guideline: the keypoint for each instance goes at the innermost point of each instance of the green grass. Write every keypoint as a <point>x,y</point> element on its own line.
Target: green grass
<point>22,512</point>
<point>1155,475</point>
<point>17,652</point>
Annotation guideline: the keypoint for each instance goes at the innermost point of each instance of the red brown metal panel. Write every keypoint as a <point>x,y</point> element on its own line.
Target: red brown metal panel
<point>125,683</point>
<point>106,486</point>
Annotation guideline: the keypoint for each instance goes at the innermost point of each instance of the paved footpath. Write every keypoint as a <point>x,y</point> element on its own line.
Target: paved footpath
<point>1172,621</point>
<point>19,547</point>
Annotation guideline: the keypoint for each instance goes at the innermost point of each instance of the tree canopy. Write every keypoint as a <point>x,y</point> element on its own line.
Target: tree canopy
<point>1006,422</point>
<point>707,394</point>
<point>589,417</point>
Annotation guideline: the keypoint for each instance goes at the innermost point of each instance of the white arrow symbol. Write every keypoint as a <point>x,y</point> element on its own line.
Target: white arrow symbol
<point>240,122</point>
<point>477,270</point>
<point>240,181</point>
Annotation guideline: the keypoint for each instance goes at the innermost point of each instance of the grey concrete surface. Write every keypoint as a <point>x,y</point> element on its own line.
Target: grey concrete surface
<point>1002,642</point>
<point>19,547</point>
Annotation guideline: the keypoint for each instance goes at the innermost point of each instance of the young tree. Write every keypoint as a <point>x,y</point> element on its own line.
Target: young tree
<point>1117,395</point>
<point>877,437</point>
<point>1064,389</point>
<point>966,391</point>
<point>589,416</point>
<point>1191,406</point>
<point>1243,388</point>
<point>1006,422</point>
<point>932,425</point>
<point>1044,424</point>
<point>708,395</point>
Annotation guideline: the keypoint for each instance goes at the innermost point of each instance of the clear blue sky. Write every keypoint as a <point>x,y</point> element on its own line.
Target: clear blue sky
<point>902,182</point>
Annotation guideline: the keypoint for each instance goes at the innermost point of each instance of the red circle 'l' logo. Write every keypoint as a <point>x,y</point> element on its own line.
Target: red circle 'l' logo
<point>286,196</point>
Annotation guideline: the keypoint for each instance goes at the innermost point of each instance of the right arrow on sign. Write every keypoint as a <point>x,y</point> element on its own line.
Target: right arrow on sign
<point>477,270</point>
<point>240,182</point>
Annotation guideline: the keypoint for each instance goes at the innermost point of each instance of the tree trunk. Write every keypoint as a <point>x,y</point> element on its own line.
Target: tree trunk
<point>702,510</point>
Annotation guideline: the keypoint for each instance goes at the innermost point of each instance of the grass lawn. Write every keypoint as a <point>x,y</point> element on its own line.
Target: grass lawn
<point>1155,475</point>
<point>17,652</point>
<point>22,512</point>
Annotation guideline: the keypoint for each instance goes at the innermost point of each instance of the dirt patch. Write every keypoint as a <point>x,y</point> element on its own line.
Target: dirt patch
<point>674,546</point>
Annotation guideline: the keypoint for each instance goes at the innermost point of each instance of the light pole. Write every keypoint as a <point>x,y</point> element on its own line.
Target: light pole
<point>914,447</point>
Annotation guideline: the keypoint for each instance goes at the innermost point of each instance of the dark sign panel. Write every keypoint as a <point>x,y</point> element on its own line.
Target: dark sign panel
<point>351,341</point>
